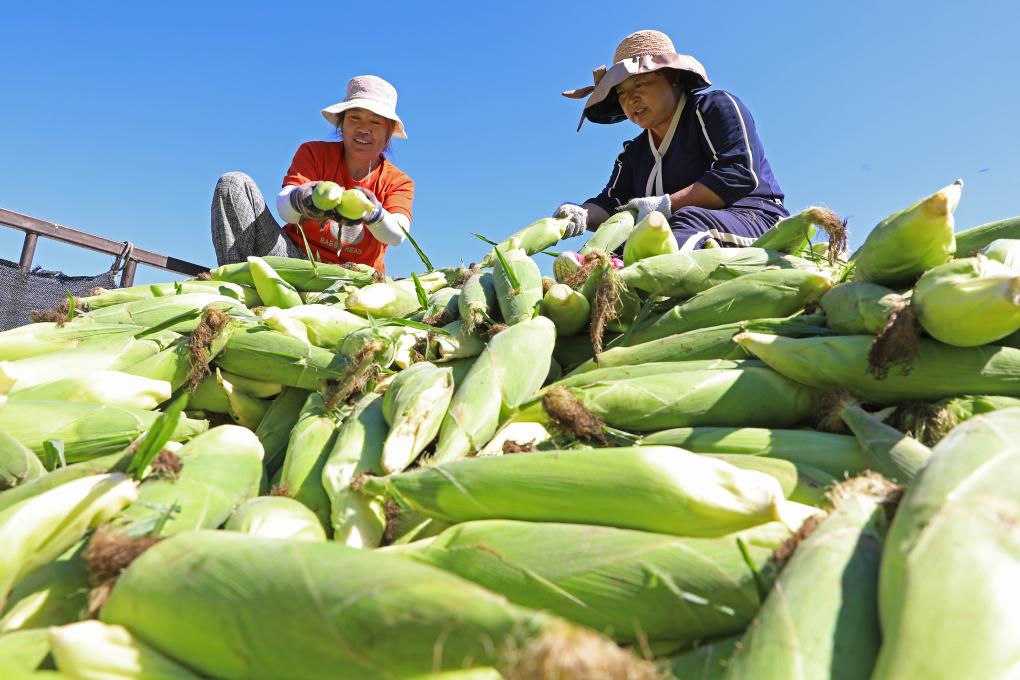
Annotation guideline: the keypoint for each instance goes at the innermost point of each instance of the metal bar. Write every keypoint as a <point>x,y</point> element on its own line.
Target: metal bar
<point>27,251</point>
<point>57,232</point>
<point>127,277</point>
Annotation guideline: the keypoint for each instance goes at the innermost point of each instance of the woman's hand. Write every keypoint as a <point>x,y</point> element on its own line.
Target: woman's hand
<point>649,204</point>
<point>578,217</point>
<point>301,202</point>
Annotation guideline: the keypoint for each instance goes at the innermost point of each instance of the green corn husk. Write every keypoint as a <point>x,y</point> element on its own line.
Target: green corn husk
<point>35,339</point>
<point>659,489</point>
<point>111,388</point>
<point>91,650</point>
<point>213,585</point>
<point>666,589</point>
<point>765,294</point>
<point>821,614</point>
<point>791,234</point>
<point>114,462</point>
<point>322,325</point>
<point>274,430</point>
<point>888,451</point>
<point>654,397</point>
<point>650,237</point>
<point>443,307</point>
<point>477,300</point>
<point>686,274</point>
<point>611,234</point>
<point>957,518</point>
<point>52,595</point>
<point>1005,251</point>
<point>628,372</point>
<point>517,303</point>
<point>800,483</point>
<point>834,454</point>
<point>263,354</point>
<point>357,521</point>
<point>705,662</point>
<point>22,652</point>
<point>626,304</point>
<point>220,469</point>
<point>974,239</point>
<point>500,379</point>
<point>246,294</point>
<point>859,308</point>
<point>276,517</point>
<point>533,238</point>
<point>714,342</point>
<point>431,282</point>
<point>842,361</point>
<point>17,463</point>
<point>458,343</point>
<point>572,351</point>
<point>253,388</point>
<point>414,407</point>
<point>383,299</point>
<point>906,244</point>
<point>155,311</point>
<point>39,529</point>
<point>309,446</point>
<point>303,274</point>
<point>968,302</point>
<point>568,309</point>
<point>86,430</point>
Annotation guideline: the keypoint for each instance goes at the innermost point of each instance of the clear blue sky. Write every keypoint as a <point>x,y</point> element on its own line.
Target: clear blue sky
<point>117,118</point>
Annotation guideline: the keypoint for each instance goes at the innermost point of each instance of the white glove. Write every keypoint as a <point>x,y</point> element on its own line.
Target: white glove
<point>578,217</point>
<point>649,204</point>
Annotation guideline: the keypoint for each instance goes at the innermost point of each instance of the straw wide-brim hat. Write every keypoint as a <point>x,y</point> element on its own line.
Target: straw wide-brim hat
<point>640,52</point>
<point>371,93</point>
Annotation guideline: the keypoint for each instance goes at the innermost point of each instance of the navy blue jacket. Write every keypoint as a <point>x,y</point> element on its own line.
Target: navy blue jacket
<point>716,143</point>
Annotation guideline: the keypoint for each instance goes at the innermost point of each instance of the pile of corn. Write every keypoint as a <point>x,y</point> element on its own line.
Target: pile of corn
<point>777,461</point>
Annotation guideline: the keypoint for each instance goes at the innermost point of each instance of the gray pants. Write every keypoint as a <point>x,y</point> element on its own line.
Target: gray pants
<point>242,224</point>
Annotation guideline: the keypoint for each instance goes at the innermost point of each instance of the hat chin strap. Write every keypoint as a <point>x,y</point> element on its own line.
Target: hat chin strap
<point>654,186</point>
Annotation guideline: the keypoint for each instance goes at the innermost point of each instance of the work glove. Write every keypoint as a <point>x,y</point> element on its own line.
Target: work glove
<point>301,202</point>
<point>350,231</point>
<point>578,217</point>
<point>649,204</point>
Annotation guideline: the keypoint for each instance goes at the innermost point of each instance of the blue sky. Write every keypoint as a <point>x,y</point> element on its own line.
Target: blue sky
<point>117,118</point>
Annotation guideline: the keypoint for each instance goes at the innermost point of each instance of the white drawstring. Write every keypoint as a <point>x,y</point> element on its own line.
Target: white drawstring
<point>654,186</point>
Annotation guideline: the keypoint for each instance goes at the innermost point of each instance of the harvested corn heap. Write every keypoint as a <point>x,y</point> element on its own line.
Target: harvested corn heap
<point>678,464</point>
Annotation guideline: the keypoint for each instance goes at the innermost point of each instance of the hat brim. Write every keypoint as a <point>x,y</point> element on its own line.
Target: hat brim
<point>602,107</point>
<point>332,113</point>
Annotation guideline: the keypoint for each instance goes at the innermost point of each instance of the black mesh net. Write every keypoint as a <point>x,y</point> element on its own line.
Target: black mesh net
<point>21,293</point>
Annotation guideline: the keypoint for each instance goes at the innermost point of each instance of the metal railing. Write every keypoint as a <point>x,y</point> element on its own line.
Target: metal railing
<point>34,228</point>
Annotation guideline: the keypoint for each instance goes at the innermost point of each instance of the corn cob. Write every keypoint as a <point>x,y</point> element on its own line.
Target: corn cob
<point>667,588</point>
<point>654,397</point>
<point>566,265</point>
<point>263,354</point>
<point>842,361</point>
<point>888,451</point>
<point>114,462</point>
<point>414,406</point>
<point>957,519</point>
<point>629,372</point>
<point>906,244</point>
<point>834,454</point>
<point>970,241</point>
<point>860,307</point>
<point>213,584</point>
<point>111,388</point>
<point>274,429</point>
<point>86,430</point>
<point>39,529</point>
<point>477,300</point>
<point>659,489</point>
<point>17,463</point>
<point>156,311</point>
<point>501,378</point>
<point>322,325</point>
<point>93,650</point>
<point>650,237</point>
<point>800,483</point>
<point>457,343</point>
<point>23,651</point>
<point>519,289</point>
<point>357,521</point>
<point>714,342</point>
<point>35,339</point>
<point>567,308</point>
<point>1005,251</point>
<point>793,234</point>
<point>246,294</point>
<point>769,293</point>
<point>533,238</point>
<point>968,302</point>
<point>52,595</point>
<point>309,446</point>
<point>821,613</point>
<point>383,299</point>
<point>300,273</point>
<point>443,307</point>
<point>705,662</point>
<point>611,234</point>
<point>276,517</point>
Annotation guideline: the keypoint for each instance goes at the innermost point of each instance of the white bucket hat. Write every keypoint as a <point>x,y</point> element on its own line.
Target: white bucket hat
<point>371,93</point>
<point>639,52</point>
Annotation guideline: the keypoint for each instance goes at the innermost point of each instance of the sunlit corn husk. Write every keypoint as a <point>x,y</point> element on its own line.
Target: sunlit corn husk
<point>383,299</point>
<point>274,429</point>
<point>650,237</point>
<point>303,274</point>
<point>311,441</point>
<point>477,300</point>
<point>567,308</point>
<point>517,302</point>
<point>52,595</point>
<point>611,234</point>
<point>112,388</point>
<point>276,517</point>
<point>263,354</point>
<point>414,407</point>
<point>322,325</point>
<point>707,661</point>
<point>800,482</point>
<point>35,339</point>
<point>457,343</point>
<point>23,651</point>
<point>887,451</point>
<point>859,307</point>
<point>970,241</point>
<point>158,310</point>
<point>91,650</point>
<point>1004,250</point>
<point>18,464</point>
<point>906,244</point>
<point>533,238</point>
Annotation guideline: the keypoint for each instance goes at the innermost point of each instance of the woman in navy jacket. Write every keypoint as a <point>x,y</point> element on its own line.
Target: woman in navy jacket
<point>699,159</point>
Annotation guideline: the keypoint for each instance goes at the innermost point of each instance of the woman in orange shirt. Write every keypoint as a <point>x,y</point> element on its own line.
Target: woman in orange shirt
<point>365,120</point>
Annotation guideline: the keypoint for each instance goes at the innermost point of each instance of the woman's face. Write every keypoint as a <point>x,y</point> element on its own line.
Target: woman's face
<point>648,99</point>
<point>365,134</point>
